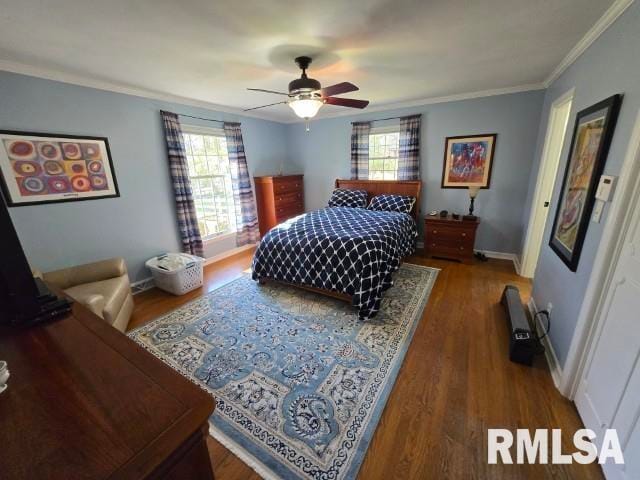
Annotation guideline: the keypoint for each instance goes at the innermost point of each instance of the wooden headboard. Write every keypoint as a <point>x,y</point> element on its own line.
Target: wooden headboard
<point>396,187</point>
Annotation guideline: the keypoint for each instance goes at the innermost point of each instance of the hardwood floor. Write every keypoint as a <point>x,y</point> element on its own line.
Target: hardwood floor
<point>455,383</point>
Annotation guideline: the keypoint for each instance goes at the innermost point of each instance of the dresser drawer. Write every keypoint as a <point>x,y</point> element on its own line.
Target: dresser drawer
<point>287,211</point>
<point>287,185</point>
<point>288,198</point>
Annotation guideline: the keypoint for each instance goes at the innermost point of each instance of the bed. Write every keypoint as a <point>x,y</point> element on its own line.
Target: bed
<point>348,253</point>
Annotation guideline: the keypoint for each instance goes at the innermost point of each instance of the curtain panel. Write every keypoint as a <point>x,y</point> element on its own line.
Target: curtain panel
<point>246,217</point>
<point>409,152</point>
<point>185,208</point>
<point>360,150</point>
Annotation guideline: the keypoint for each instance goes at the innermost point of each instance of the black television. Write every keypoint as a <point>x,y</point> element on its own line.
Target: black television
<point>23,299</point>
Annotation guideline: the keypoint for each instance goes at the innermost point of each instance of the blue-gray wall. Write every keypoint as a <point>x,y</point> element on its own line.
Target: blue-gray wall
<point>610,65</point>
<point>139,224</point>
<point>323,155</point>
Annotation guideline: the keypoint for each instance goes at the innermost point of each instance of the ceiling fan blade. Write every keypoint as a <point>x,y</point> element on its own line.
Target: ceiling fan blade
<point>263,106</point>
<point>338,88</point>
<point>346,102</point>
<point>267,91</point>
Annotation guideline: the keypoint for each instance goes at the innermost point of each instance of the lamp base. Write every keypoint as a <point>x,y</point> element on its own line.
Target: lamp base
<point>469,217</point>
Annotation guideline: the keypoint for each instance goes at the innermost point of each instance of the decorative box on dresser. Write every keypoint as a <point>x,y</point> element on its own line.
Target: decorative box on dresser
<point>451,238</point>
<point>278,198</point>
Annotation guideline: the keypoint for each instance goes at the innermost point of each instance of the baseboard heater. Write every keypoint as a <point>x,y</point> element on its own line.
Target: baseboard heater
<point>524,344</point>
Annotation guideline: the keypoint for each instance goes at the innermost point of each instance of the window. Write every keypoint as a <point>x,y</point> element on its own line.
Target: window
<point>383,154</point>
<point>208,163</point>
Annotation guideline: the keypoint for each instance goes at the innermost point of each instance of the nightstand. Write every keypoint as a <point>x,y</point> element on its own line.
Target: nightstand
<point>449,238</point>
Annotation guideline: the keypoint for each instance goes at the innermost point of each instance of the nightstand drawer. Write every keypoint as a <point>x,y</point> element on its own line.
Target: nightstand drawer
<point>448,233</point>
<point>447,249</point>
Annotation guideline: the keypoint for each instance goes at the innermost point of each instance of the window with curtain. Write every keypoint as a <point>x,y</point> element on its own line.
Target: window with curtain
<point>384,144</point>
<point>208,163</point>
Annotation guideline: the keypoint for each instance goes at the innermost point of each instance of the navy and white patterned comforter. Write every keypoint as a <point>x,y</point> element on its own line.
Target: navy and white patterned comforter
<point>347,250</point>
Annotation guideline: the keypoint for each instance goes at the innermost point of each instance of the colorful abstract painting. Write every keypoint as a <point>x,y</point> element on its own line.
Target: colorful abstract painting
<point>591,138</point>
<point>44,168</point>
<point>468,161</point>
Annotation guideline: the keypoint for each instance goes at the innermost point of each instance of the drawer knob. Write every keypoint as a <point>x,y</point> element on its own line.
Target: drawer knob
<point>461,248</point>
<point>435,231</point>
<point>464,234</point>
<point>433,244</point>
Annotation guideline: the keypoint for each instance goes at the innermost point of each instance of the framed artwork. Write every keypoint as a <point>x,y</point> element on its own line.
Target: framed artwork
<point>45,168</point>
<point>590,142</point>
<point>468,161</point>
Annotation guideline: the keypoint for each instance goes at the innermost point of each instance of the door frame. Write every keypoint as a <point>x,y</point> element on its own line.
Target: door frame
<point>590,318</point>
<point>548,167</point>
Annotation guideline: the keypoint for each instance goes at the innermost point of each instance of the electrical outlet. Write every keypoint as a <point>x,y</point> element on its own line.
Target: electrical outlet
<point>549,308</point>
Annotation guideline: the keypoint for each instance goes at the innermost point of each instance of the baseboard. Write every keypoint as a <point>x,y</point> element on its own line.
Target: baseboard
<point>497,255</point>
<point>142,285</point>
<point>549,352</point>
<point>504,256</point>
<point>228,253</point>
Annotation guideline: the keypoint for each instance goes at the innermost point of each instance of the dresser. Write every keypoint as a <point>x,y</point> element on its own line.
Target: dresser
<point>451,238</point>
<point>278,198</point>
<point>85,401</point>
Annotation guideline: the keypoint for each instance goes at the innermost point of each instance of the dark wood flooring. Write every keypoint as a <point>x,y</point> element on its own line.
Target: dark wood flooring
<point>455,383</point>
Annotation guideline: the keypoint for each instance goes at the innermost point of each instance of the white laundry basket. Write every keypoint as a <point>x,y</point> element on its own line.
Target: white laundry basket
<point>176,273</point>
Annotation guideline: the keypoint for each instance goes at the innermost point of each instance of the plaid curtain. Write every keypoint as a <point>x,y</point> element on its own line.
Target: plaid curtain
<point>409,153</point>
<point>246,217</point>
<point>360,151</point>
<point>185,208</point>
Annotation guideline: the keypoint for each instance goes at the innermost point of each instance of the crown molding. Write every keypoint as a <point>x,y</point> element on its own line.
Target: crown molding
<point>611,15</point>
<point>85,81</point>
<point>428,101</point>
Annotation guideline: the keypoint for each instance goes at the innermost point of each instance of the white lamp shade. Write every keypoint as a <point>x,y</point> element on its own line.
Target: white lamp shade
<point>306,108</point>
<point>473,191</point>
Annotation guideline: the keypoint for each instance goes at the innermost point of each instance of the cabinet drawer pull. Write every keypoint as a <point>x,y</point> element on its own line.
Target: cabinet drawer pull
<point>435,232</point>
<point>461,248</point>
<point>433,244</point>
<point>464,234</point>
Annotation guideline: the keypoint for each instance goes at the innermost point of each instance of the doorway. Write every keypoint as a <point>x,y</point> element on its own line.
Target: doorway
<point>554,139</point>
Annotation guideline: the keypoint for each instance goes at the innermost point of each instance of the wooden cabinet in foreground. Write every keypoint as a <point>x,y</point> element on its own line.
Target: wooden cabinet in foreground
<point>85,401</point>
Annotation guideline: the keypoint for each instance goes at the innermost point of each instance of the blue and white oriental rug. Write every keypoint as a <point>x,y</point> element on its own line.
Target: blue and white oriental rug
<point>300,383</point>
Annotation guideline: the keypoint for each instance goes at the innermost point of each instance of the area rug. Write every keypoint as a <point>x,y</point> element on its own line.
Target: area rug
<point>300,383</point>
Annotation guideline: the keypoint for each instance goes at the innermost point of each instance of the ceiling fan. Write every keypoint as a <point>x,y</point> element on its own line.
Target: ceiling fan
<point>306,95</point>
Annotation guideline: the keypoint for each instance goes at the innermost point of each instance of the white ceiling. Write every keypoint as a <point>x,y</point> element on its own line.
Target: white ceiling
<point>211,50</point>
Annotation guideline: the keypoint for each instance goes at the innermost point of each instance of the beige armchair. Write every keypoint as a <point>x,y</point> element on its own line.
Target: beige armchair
<point>103,287</point>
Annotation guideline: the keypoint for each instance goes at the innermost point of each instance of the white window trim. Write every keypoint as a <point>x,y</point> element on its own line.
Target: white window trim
<point>385,129</point>
<point>201,130</point>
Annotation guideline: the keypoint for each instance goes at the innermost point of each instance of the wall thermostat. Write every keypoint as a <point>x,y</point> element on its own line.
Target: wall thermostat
<point>605,186</point>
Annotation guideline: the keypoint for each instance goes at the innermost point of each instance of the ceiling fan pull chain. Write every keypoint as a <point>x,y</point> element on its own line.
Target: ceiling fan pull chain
<point>307,128</point>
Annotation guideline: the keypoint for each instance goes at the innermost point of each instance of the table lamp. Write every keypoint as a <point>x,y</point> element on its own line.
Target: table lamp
<point>473,193</point>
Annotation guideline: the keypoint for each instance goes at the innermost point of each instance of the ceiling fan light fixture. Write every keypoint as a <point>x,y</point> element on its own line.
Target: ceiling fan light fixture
<point>306,107</point>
